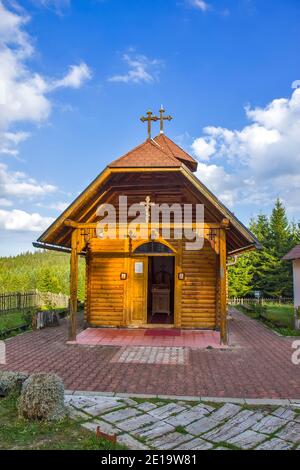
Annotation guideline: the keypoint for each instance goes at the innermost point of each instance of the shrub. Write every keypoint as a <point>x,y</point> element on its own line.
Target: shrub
<point>11,382</point>
<point>42,398</point>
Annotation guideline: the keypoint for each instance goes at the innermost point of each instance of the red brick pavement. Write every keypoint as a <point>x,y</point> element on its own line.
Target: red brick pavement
<point>257,366</point>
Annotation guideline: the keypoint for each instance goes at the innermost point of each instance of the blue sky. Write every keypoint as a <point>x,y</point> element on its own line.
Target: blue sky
<point>75,76</point>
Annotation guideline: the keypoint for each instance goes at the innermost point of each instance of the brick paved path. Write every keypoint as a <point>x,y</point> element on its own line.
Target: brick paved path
<point>258,365</point>
<point>183,425</point>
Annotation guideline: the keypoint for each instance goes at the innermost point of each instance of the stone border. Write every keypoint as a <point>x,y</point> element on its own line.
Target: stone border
<point>239,401</point>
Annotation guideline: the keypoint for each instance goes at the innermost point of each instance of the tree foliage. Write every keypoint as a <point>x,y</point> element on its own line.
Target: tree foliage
<point>264,270</point>
<point>46,271</point>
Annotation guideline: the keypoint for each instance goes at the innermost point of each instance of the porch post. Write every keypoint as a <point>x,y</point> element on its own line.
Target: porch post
<point>73,287</point>
<point>223,288</point>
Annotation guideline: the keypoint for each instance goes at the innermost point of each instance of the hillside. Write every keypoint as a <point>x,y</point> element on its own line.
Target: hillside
<point>47,271</point>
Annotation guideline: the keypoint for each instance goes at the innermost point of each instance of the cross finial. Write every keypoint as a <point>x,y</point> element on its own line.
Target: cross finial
<point>163,118</point>
<point>149,118</point>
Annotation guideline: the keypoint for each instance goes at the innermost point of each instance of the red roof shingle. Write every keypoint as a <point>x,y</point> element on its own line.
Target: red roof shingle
<point>158,152</point>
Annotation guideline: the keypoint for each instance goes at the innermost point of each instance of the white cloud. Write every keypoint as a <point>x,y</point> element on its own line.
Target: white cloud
<point>141,70</point>
<point>18,184</point>
<point>260,161</point>
<point>57,206</point>
<point>203,148</point>
<point>199,4</point>
<point>18,220</point>
<point>75,78</point>
<point>23,92</point>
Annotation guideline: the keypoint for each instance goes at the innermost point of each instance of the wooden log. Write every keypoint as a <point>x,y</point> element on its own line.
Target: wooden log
<point>73,287</point>
<point>222,288</point>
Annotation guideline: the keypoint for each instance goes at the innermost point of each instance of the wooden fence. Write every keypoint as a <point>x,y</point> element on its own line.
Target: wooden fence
<point>261,301</point>
<point>14,301</point>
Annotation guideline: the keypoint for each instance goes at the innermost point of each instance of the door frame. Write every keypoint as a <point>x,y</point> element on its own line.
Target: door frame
<point>144,323</point>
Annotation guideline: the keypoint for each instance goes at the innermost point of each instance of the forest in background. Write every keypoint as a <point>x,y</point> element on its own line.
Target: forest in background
<point>46,271</point>
<point>261,270</point>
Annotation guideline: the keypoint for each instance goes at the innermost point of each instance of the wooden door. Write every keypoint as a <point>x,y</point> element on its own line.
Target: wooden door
<point>139,290</point>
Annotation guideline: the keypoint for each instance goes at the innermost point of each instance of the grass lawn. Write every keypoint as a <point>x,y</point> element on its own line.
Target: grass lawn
<point>279,317</point>
<point>17,434</point>
<point>11,320</point>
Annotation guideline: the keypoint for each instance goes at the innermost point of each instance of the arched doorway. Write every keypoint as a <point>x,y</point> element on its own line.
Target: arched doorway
<point>160,281</point>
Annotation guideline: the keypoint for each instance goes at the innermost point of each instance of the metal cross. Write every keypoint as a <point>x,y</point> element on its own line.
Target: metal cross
<point>163,118</point>
<point>147,204</point>
<point>149,118</point>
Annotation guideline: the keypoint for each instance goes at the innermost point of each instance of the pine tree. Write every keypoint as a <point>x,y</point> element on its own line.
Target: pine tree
<point>240,277</point>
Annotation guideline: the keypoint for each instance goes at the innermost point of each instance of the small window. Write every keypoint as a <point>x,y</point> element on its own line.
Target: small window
<point>153,247</point>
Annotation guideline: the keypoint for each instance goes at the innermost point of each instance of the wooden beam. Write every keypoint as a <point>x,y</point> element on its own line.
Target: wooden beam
<point>73,287</point>
<point>93,225</point>
<point>223,288</point>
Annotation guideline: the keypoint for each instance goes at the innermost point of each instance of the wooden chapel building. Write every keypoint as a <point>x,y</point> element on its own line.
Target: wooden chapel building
<point>151,282</point>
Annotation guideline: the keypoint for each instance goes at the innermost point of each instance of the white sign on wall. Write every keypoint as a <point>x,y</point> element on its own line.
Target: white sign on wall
<point>138,267</point>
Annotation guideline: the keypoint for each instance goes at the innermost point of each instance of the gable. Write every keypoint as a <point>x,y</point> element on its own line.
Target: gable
<point>175,184</point>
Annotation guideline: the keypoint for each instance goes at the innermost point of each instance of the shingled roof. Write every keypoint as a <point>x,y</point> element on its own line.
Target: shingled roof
<point>158,152</point>
<point>293,254</point>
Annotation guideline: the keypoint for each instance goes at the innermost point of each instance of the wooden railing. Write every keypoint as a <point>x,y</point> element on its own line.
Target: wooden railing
<point>17,301</point>
<point>262,300</point>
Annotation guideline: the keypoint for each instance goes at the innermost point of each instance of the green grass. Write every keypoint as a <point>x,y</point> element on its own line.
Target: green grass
<point>278,317</point>
<point>18,434</point>
<point>11,320</point>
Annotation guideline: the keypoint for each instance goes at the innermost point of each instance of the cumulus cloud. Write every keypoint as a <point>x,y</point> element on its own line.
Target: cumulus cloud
<point>141,69</point>
<point>18,220</point>
<point>260,161</point>
<point>18,184</point>
<point>23,92</point>
<point>76,76</point>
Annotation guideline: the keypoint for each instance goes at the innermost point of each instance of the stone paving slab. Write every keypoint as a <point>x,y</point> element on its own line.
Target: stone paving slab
<point>201,425</point>
<point>131,443</point>
<point>188,416</point>
<point>247,439</point>
<point>236,425</point>
<point>120,415</point>
<point>104,427</point>
<point>170,441</point>
<point>284,413</point>
<point>269,424</point>
<point>138,422</point>
<point>146,406</point>
<point>165,411</point>
<point>274,444</point>
<point>154,430</point>
<point>156,425</point>
<point>225,412</point>
<point>195,444</point>
<point>291,432</point>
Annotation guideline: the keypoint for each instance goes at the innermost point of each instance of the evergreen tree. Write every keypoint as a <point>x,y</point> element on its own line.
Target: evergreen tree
<point>240,277</point>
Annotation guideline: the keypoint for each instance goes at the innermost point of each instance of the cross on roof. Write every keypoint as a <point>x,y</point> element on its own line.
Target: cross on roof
<point>149,118</point>
<point>163,118</point>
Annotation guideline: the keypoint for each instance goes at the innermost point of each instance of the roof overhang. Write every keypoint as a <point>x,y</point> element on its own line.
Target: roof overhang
<point>48,240</point>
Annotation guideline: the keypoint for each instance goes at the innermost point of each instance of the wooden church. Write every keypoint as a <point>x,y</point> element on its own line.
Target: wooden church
<point>150,283</point>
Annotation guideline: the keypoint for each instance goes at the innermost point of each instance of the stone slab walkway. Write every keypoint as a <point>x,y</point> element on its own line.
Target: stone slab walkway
<point>258,365</point>
<point>185,425</point>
